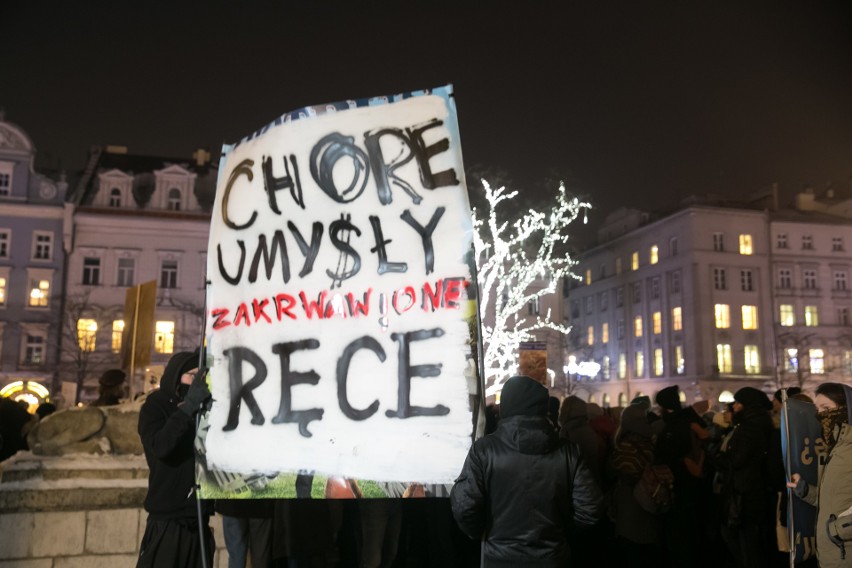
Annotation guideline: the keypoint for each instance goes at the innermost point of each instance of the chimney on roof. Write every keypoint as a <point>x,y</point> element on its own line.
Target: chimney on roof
<point>113,149</point>
<point>202,156</point>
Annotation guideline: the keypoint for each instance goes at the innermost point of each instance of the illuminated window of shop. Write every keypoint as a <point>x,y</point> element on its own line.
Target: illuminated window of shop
<point>723,357</point>
<point>722,316</point>
<point>752,359</point>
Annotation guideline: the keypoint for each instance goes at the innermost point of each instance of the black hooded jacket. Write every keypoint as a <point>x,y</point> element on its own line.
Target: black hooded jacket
<point>167,437</point>
<point>522,489</point>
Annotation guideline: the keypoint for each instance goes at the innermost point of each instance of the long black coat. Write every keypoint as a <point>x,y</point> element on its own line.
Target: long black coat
<point>522,490</point>
<point>744,464</point>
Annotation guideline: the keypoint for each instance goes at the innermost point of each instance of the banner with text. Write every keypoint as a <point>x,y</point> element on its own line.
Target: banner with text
<point>341,304</point>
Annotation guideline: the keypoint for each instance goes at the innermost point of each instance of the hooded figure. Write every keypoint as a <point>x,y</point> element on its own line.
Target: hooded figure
<point>575,428</point>
<point>833,495</point>
<point>167,429</point>
<point>523,518</point>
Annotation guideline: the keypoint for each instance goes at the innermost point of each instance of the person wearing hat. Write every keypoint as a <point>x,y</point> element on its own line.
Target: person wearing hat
<point>746,491</point>
<point>680,446</point>
<point>167,430</point>
<point>110,388</point>
<point>520,488</point>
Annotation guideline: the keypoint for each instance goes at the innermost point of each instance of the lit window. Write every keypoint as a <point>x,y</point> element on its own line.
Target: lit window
<point>87,330</point>
<point>786,315</point>
<point>640,364</point>
<point>634,261</point>
<point>174,199</point>
<point>720,281</point>
<point>588,276</point>
<point>817,361</point>
<point>807,242</point>
<point>781,240</point>
<point>622,400</point>
<point>680,366</point>
<point>658,323</point>
<point>785,278</point>
<point>746,281</point>
<point>115,197</point>
<point>749,317</point>
<point>117,332</point>
<point>658,362</point>
<point>745,244</point>
<point>5,237</point>
<point>752,359</point>
<point>839,280</point>
<point>164,337</point>
<point>811,316</point>
<point>39,293</point>
<point>622,365</point>
<point>590,335</point>
<point>126,272</point>
<point>605,367</point>
<point>605,333</point>
<point>91,271</point>
<point>42,246</point>
<point>718,242</point>
<point>723,316</point>
<point>2,291</point>
<point>168,274</point>
<point>723,357</point>
<point>637,326</point>
<point>791,359</point>
<point>677,318</point>
<point>655,254</point>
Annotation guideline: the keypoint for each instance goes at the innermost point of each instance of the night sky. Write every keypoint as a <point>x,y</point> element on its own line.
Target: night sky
<point>633,103</point>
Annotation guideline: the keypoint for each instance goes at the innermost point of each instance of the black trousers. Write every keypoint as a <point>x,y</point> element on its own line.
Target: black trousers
<point>174,543</point>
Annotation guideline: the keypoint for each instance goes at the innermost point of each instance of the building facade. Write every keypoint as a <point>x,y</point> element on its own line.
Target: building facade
<point>34,231</point>
<point>137,219</point>
<point>704,298</point>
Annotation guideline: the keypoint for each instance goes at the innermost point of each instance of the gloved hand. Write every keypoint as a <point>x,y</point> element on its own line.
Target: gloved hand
<point>197,394</point>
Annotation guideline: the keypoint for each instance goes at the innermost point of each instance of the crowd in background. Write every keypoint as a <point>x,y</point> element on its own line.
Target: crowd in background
<point>728,481</point>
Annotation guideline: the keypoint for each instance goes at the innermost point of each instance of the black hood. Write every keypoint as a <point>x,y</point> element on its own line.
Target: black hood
<point>179,364</point>
<point>523,396</point>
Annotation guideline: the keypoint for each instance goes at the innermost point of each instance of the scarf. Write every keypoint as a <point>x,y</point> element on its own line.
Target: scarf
<point>832,421</point>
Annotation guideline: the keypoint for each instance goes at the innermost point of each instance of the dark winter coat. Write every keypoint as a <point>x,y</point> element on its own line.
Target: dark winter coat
<point>744,465</point>
<point>522,490</point>
<point>168,435</point>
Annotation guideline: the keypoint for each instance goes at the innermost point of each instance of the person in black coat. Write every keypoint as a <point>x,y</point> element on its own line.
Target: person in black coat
<point>520,489</point>
<point>167,429</point>
<point>746,487</point>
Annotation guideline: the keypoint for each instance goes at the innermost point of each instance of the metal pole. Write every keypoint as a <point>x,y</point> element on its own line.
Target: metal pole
<point>133,344</point>
<point>202,367</point>
<point>790,530</point>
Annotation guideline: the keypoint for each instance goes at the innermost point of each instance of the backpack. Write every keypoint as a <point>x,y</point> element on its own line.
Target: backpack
<point>655,489</point>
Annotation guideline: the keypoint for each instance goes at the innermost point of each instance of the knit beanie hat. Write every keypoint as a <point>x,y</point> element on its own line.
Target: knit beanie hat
<point>523,396</point>
<point>750,396</point>
<point>669,398</point>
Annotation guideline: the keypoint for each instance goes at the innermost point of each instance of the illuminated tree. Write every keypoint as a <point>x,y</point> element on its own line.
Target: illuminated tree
<point>517,263</point>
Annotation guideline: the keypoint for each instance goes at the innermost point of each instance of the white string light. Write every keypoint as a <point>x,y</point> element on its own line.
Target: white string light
<point>509,264</point>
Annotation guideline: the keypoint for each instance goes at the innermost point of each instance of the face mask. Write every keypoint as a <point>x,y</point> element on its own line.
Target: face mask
<point>831,421</point>
<point>182,389</point>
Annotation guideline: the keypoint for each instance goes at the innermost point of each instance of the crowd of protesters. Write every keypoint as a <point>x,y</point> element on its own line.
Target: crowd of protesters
<point>553,483</point>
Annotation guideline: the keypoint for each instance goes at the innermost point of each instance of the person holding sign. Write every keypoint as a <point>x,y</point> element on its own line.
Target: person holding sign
<point>833,494</point>
<point>167,429</point>
<point>520,488</point>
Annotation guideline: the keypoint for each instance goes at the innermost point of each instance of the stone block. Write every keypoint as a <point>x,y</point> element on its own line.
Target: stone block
<point>46,530</point>
<point>112,531</point>
<point>39,563</point>
<point>16,534</point>
<point>63,428</point>
<point>103,561</point>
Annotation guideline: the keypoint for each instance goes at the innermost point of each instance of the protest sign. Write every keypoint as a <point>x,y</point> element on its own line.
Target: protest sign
<point>341,304</point>
<point>804,450</point>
